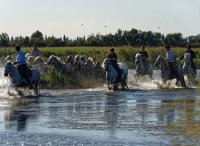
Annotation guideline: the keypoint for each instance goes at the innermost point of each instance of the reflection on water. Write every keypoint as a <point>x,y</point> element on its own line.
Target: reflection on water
<point>100,117</point>
<point>17,115</point>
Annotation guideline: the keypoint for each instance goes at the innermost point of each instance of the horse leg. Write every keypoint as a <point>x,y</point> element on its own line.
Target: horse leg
<point>123,85</point>
<point>115,87</point>
<point>36,87</point>
<point>182,80</point>
<point>126,85</point>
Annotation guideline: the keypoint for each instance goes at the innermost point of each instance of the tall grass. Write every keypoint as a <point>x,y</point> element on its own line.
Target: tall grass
<point>125,53</point>
<point>56,80</point>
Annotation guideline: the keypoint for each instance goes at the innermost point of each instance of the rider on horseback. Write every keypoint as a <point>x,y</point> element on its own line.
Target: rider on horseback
<point>112,56</point>
<point>22,67</point>
<point>144,56</point>
<point>171,60</point>
<point>192,56</point>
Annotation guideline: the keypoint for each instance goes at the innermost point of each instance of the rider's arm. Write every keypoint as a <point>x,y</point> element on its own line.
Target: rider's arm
<point>181,58</point>
<point>16,62</point>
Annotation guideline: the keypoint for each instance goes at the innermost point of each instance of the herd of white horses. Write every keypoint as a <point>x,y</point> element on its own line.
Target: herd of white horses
<point>89,68</point>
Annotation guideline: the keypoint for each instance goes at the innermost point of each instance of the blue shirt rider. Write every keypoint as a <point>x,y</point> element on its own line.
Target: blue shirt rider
<point>112,56</point>
<point>20,58</point>
<point>22,67</point>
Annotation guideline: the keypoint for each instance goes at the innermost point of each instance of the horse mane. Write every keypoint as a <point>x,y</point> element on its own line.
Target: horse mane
<point>69,58</point>
<point>164,60</point>
<point>138,54</point>
<point>27,55</point>
<point>104,61</point>
<point>9,58</point>
<point>90,58</point>
<point>56,57</point>
<point>77,57</point>
<point>40,59</point>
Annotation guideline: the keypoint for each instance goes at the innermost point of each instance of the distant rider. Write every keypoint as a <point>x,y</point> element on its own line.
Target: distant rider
<point>192,56</point>
<point>144,56</point>
<point>22,67</point>
<point>35,52</point>
<point>112,56</point>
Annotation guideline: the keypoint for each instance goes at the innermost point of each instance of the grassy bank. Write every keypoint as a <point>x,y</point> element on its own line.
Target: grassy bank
<point>57,80</point>
<point>125,53</point>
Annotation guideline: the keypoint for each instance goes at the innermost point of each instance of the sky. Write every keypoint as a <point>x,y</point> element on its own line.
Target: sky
<point>84,17</point>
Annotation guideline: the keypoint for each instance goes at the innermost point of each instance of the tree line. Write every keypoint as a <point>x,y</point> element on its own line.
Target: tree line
<point>133,38</point>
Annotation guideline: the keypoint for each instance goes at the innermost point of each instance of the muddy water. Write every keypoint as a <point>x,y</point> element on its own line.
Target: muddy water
<point>143,115</point>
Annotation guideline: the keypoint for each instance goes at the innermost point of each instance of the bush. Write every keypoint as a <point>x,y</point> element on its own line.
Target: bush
<point>57,80</point>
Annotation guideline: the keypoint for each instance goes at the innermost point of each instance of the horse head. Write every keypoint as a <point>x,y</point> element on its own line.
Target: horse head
<point>106,63</point>
<point>8,68</point>
<point>10,58</point>
<point>57,62</point>
<point>27,55</point>
<point>39,60</point>
<point>138,58</point>
<point>158,61</point>
<point>51,60</point>
<point>187,58</point>
<point>30,60</point>
<point>70,59</point>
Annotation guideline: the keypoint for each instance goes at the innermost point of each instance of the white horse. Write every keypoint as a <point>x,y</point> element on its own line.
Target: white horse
<point>30,60</point>
<point>99,71</point>
<point>89,66</point>
<point>187,68</point>
<point>9,58</point>
<point>16,79</point>
<point>59,64</point>
<point>141,70</point>
<point>79,65</point>
<point>40,64</point>
<point>112,75</point>
<point>165,71</point>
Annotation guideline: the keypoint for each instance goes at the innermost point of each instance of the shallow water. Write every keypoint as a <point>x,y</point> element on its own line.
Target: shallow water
<point>143,115</point>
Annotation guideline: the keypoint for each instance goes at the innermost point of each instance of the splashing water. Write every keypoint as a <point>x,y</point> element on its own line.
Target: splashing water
<point>98,117</point>
<point>4,83</point>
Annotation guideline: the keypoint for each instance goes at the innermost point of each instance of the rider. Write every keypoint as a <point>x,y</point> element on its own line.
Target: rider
<point>22,67</point>
<point>171,60</point>
<point>35,52</point>
<point>144,56</point>
<point>192,56</point>
<point>112,56</point>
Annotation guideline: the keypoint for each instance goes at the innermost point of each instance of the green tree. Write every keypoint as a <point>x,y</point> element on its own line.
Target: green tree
<point>175,40</point>
<point>37,38</point>
<point>4,40</point>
